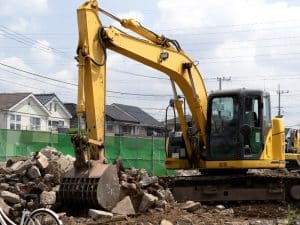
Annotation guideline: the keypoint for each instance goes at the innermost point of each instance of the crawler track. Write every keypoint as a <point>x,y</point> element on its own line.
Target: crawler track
<point>246,187</point>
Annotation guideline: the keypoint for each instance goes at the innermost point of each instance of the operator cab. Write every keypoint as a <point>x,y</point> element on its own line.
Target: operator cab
<point>237,124</point>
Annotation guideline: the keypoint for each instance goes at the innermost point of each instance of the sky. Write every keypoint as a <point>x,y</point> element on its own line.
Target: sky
<point>256,43</point>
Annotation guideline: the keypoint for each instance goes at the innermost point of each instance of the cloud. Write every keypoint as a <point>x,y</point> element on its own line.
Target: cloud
<point>28,6</point>
<point>41,51</point>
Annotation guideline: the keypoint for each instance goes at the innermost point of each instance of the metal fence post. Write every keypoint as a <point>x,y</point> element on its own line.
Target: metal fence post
<point>152,156</point>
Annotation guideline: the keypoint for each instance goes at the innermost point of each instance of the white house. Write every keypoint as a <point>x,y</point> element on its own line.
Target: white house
<point>25,111</point>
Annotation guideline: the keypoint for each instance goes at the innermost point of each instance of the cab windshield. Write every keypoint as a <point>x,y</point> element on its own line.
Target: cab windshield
<point>224,127</point>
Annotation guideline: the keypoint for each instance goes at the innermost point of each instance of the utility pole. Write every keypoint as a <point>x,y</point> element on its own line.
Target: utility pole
<point>220,79</point>
<point>280,92</point>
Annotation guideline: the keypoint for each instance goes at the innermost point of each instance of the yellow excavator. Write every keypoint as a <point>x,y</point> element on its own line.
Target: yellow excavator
<point>231,131</point>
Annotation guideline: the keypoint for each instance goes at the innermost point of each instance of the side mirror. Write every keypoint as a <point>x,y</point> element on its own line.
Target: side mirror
<point>245,130</point>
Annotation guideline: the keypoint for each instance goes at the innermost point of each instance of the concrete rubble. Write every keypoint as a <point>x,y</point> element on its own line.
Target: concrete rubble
<point>37,175</point>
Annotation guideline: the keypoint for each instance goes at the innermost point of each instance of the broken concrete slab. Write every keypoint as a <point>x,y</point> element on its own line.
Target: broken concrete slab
<point>147,201</point>
<point>49,152</point>
<point>33,172</point>
<point>15,165</point>
<point>47,198</point>
<point>4,206</point>
<point>191,206</point>
<point>42,161</point>
<point>97,214</point>
<point>10,197</point>
<point>4,186</point>
<point>22,167</point>
<point>165,222</point>
<point>146,181</point>
<point>124,207</point>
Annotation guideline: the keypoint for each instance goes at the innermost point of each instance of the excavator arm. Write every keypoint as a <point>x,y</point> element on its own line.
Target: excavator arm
<point>155,51</point>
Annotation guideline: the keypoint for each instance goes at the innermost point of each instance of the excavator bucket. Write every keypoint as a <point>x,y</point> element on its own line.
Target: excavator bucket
<point>97,186</point>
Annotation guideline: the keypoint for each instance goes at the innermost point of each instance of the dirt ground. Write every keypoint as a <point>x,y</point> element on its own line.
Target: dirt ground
<point>243,214</point>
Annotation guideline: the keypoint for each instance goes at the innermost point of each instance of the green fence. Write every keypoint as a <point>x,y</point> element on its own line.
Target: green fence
<point>147,153</point>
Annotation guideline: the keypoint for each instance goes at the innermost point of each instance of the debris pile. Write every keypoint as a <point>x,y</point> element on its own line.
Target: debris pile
<point>32,182</point>
<point>141,192</point>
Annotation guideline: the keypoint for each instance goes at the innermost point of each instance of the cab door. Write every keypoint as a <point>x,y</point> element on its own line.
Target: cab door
<point>252,140</point>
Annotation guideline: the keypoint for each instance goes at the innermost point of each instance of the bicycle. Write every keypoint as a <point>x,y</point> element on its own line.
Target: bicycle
<point>42,216</point>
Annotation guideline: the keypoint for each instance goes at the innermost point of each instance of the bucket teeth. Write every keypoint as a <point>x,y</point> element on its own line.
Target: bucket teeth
<point>81,191</point>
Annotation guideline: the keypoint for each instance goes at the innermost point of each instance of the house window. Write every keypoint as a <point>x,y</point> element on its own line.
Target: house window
<point>109,126</point>
<point>50,107</point>
<point>55,106</point>
<point>15,122</point>
<point>35,123</point>
<point>56,124</point>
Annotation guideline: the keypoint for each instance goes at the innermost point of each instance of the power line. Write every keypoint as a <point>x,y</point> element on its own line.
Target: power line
<point>22,75</point>
<point>38,75</point>
<point>234,25</point>
<point>73,84</point>
<point>247,40</point>
<point>25,39</point>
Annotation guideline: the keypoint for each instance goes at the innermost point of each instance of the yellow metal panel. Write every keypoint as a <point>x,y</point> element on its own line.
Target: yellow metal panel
<point>94,76</point>
<point>244,164</point>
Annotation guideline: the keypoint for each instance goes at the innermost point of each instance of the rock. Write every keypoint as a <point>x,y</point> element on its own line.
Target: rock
<point>161,204</point>
<point>165,222</point>
<point>147,201</point>
<point>124,177</point>
<point>33,172</point>
<point>15,165</point>
<point>220,207</point>
<point>13,160</point>
<point>21,167</point>
<point>146,181</point>
<point>64,163</point>
<point>184,221</point>
<point>282,221</point>
<point>124,207</point>
<point>191,206</point>
<point>227,212</point>
<point>118,218</point>
<point>48,177</point>
<point>97,214</point>
<point>42,186</point>
<point>17,207</point>
<point>127,185</point>
<point>42,161</point>
<point>263,222</point>
<point>4,206</point>
<point>10,197</point>
<point>47,198</point>
<point>4,186</point>
<point>169,196</point>
<point>49,152</point>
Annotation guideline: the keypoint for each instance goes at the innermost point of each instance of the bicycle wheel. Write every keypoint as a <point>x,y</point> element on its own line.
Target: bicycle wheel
<point>43,217</point>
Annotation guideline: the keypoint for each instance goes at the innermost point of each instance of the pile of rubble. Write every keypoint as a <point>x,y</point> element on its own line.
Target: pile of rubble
<point>40,175</point>
<point>36,177</point>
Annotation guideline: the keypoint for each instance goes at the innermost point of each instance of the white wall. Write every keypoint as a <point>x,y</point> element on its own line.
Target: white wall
<point>27,109</point>
<point>59,114</point>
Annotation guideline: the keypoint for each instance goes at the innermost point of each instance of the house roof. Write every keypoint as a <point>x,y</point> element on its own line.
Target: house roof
<point>126,113</point>
<point>71,107</point>
<point>8,100</point>
<point>118,114</point>
<point>45,98</point>
<point>141,116</point>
